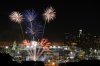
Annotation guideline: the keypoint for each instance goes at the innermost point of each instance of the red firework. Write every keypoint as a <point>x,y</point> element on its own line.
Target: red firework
<point>44,43</point>
<point>25,42</point>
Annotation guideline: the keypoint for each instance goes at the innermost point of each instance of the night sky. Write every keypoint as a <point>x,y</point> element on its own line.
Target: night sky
<point>70,17</point>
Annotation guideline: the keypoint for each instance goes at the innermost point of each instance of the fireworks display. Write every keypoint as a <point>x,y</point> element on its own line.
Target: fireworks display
<point>36,49</point>
<point>33,28</point>
<point>32,50</point>
<point>49,14</point>
<point>35,31</point>
<point>44,43</point>
<point>30,15</point>
<point>16,17</point>
<point>25,42</point>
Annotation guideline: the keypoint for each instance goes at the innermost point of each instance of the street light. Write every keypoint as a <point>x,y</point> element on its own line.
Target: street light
<point>54,47</point>
<point>59,47</point>
<point>53,63</point>
<point>6,47</point>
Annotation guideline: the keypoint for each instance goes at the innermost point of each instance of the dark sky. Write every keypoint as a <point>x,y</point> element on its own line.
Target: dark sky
<point>70,17</point>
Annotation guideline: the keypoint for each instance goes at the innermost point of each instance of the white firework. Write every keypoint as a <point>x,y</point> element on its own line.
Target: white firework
<point>16,17</point>
<point>49,14</point>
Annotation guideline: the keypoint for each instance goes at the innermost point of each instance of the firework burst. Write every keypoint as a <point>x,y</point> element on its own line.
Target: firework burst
<point>44,43</point>
<point>25,42</point>
<point>30,15</point>
<point>35,31</point>
<point>36,49</point>
<point>32,27</point>
<point>16,16</point>
<point>49,14</point>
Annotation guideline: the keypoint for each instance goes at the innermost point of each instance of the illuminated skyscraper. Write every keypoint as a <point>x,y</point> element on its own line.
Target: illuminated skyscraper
<point>80,32</point>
